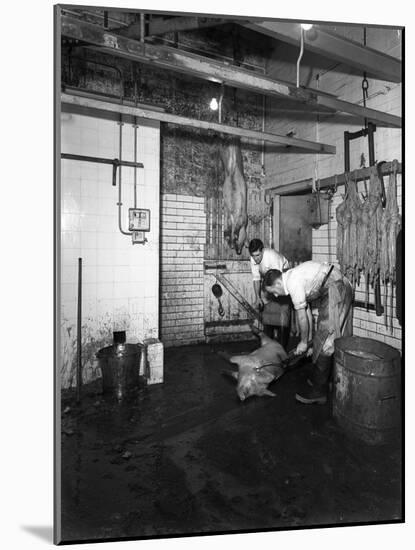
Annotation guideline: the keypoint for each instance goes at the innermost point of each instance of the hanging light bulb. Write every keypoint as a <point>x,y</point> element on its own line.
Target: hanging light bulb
<point>214,104</point>
<point>306,26</point>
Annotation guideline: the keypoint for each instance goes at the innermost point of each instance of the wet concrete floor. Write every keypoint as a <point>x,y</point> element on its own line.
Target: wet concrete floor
<point>187,457</point>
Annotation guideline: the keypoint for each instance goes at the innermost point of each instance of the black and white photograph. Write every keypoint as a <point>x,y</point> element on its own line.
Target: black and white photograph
<point>205,339</point>
<point>229,273</point>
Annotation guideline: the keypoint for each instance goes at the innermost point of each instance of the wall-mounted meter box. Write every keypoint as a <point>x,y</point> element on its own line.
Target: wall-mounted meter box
<point>139,219</point>
<point>139,237</point>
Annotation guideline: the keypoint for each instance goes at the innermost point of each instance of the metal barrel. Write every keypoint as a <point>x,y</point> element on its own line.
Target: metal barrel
<point>367,389</point>
<point>120,366</point>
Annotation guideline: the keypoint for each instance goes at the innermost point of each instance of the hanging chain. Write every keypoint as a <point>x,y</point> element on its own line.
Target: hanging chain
<point>365,82</point>
<point>365,89</point>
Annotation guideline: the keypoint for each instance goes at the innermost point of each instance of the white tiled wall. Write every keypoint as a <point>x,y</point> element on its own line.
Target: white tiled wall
<point>120,280</point>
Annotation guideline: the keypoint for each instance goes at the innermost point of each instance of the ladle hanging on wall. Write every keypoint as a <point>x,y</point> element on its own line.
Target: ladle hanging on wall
<point>217,292</point>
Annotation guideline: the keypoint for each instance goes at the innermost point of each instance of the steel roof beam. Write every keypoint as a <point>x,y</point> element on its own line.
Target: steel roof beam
<point>253,135</point>
<point>332,46</point>
<point>214,71</point>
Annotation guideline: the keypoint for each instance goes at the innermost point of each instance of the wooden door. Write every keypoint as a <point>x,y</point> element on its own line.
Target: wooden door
<point>292,230</point>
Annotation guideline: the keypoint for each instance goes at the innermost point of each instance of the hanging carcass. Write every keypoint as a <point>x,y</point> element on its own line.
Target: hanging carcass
<point>234,194</point>
<point>395,221</point>
<point>390,226</point>
<point>354,208</point>
<point>374,224</point>
<point>341,233</point>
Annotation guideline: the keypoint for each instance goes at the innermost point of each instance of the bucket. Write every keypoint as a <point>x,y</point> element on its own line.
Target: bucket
<point>367,389</point>
<point>120,366</point>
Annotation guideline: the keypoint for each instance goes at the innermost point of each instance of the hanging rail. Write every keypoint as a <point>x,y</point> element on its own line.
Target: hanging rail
<point>114,162</point>
<point>360,174</point>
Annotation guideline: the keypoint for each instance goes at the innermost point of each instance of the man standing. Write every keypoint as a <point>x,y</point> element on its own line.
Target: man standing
<point>276,311</point>
<point>325,289</point>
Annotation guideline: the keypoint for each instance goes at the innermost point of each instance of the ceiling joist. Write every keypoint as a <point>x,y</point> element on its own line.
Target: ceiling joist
<point>305,145</point>
<point>215,71</point>
<point>158,26</point>
<point>332,46</point>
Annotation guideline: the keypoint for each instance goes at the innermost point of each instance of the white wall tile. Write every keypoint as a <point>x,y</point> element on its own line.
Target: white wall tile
<point>70,239</point>
<point>89,273</point>
<point>105,306</point>
<point>71,184</point>
<point>90,204</point>
<point>105,274</point>
<point>121,274</point>
<point>89,290</point>
<point>70,203</point>
<point>69,292</point>
<point>88,239</point>
<point>105,257</point>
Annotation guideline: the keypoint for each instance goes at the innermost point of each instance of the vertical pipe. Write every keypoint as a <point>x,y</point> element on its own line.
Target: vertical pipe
<point>79,334</point>
<point>121,123</point>
<point>300,56</point>
<point>135,140</point>
<point>135,160</point>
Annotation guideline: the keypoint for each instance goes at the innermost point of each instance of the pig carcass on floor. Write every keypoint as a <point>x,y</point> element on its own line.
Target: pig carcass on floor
<point>188,457</point>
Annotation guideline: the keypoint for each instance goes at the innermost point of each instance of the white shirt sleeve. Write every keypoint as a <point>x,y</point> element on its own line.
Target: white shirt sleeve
<point>296,290</point>
<point>286,263</point>
<point>256,275</point>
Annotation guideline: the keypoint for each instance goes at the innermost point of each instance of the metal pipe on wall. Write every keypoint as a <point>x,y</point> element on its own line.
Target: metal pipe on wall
<point>300,56</point>
<point>119,203</point>
<point>135,125</point>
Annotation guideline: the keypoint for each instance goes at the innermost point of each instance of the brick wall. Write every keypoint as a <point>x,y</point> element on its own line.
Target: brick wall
<point>286,168</point>
<point>183,236</point>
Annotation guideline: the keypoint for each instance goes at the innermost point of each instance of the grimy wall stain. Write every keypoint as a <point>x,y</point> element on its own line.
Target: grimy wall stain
<point>189,157</point>
<point>96,334</point>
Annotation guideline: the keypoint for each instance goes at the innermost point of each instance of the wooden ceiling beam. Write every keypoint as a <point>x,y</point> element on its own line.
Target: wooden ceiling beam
<point>140,112</point>
<point>157,26</point>
<point>214,71</point>
<point>332,46</point>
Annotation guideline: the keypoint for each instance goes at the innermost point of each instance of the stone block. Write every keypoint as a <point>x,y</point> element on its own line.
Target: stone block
<point>154,360</point>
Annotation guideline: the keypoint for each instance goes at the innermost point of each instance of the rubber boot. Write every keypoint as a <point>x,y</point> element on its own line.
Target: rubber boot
<point>317,389</point>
